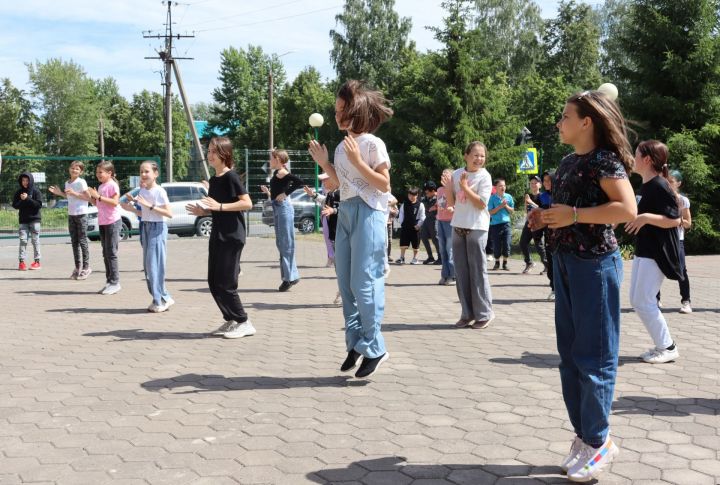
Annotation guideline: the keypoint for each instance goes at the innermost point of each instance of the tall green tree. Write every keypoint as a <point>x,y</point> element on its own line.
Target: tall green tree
<point>18,122</point>
<point>66,99</point>
<point>371,42</point>
<point>241,108</point>
<point>572,42</point>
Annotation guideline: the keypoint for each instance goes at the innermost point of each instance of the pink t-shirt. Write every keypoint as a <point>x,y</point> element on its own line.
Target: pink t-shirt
<point>444,214</point>
<point>108,213</point>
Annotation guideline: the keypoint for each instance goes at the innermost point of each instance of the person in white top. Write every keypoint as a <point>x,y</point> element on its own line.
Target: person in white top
<point>361,170</point>
<point>675,179</point>
<point>76,192</point>
<point>154,208</point>
<point>468,189</point>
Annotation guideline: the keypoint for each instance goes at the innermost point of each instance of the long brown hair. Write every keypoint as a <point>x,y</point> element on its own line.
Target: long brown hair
<point>107,166</point>
<point>658,153</point>
<point>365,109</point>
<point>611,132</point>
<point>223,147</point>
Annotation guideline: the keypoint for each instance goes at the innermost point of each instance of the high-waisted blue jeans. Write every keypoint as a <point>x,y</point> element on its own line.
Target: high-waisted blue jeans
<point>283,217</point>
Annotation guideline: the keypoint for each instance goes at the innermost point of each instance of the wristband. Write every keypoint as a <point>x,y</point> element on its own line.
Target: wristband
<point>221,207</point>
<point>152,207</point>
<point>575,215</point>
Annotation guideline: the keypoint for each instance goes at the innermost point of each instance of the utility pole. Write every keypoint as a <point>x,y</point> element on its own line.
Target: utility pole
<point>168,59</point>
<point>271,144</point>
<point>102,138</point>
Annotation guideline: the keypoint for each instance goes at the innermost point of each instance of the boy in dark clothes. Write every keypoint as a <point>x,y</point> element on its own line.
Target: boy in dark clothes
<point>28,201</point>
<point>412,215</point>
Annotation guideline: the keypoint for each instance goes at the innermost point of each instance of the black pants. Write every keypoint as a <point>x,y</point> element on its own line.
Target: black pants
<point>537,237</point>
<point>223,270</point>
<point>428,233</point>
<point>685,283</point>
<point>110,238</point>
<point>77,227</point>
<point>549,256</point>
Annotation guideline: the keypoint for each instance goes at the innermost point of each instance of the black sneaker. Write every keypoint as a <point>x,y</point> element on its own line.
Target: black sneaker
<point>505,267</point>
<point>496,266</point>
<point>351,361</point>
<point>429,260</point>
<point>285,286</point>
<point>295,282</point>
<point>369,366</point>
<point>438,262</point>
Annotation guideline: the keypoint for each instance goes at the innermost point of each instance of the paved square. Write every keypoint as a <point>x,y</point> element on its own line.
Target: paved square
<point>94,389</point>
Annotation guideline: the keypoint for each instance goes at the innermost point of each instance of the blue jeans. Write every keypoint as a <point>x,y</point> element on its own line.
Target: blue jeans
<point>587,322</point>
<point>283,217</point>
<point>501,235</point>
<point>154,236</point>
<point>359,264</point>
<point>444,235</point>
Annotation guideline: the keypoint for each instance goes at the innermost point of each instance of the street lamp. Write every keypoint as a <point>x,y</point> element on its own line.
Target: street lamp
<point>270,100</point>
<point>316,121</point>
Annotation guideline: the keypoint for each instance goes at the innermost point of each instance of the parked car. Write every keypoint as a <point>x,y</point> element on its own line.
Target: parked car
<point>304,208</point>
<point>181,223</point>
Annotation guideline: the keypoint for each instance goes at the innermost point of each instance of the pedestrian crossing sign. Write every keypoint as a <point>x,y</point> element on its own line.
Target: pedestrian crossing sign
<point>529,163</point>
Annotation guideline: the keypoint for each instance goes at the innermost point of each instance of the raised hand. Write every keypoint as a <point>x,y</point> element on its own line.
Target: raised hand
<point>319,153</point>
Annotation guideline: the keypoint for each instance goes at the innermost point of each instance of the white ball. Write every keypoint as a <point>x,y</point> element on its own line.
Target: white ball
<point>316,120</point>
<point>610,90</point>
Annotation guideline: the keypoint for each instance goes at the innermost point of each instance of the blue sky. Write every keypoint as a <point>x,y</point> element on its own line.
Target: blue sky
<point>106,37</point>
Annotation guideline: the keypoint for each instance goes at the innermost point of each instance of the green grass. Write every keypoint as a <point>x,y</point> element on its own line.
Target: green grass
<point>52,220</point>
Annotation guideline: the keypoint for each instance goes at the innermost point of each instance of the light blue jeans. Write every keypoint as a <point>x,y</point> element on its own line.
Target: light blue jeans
<point>587,322</point>
<point>444,235</point>
<point>32,228</point>
<point>154,256</point>
<point>359,263</point>
<point>283,217</point>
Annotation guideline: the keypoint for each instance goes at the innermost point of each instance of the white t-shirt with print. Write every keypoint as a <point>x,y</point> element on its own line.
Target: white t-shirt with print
<point>77,206</point>
<point>685,205</point>
<point>157,197</point>
<point>466,215</point>
<point>352,183</point>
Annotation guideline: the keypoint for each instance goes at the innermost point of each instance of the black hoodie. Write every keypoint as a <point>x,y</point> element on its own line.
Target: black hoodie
<point>30,207</point>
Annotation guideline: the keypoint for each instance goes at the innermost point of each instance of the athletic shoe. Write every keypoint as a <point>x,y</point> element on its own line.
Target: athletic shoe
<point>284,286</point>
<point>227,325</point>
<point>551,296</point>
<point>369,366</point>
<point>685,307</point>
<point>400,261</point>
<point>351,361</point>
<point>169,302</point>
<point>111,289</point>
<point>462,323</point>
<point>438,262</point>
<point>505,266</point>
<point>661,356</point>
<point>648,353</point>
<point>496,266</point>
<point>386,270</point>
<point>442,281</point>
<point>158,308</point>
<point>429,260</point>
<point>35,265</point>
<point>450,282</point>
<point>591,461</point>
<point>659,304</point>
<point>22,266</point>
<point>330,263</point>
<point>102,291</point>
<point>75,274</point>
<point>490,258</point>
<point>480,324</point>
<point>528,267</point>
<point>572,456</point>
<point>414,261</point>
<point>84,273</point>
<point>242,330</point>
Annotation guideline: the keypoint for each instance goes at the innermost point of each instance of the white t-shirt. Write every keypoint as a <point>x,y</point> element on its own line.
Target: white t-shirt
<point>466,215</point>
<point>155,196</point>
<point>352,184</point>
<point>685,205</point>
<point>77,206</point>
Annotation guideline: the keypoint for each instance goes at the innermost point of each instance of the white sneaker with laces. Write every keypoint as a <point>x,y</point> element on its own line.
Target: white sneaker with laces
<point>572,456</point>
<point>591,461</point>
<point>414,261</point>
<point>169,302</point>
<point>158,308</point>
<point>111,289</point>
<point>551,296</point>
<point>661,356</point>
<point>685,307</point>
<point>241,330</point>
<point>648,353</point>
<point>223,328</point>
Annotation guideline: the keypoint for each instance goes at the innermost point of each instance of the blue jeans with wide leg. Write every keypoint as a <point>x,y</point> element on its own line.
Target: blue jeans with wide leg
<point>154,257</point>
<point>284,216</point>
<point>587,322</point>
<point>359,263</point>
<point>444,235</point>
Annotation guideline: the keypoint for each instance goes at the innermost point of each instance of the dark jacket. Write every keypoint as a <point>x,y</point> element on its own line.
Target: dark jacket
<point>30,207</point>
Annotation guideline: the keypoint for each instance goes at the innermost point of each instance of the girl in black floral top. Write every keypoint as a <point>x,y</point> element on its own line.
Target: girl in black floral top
<point>590,192</point>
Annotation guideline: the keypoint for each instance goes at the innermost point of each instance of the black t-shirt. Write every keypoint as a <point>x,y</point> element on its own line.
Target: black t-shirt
<point>430,216</point>
<point>656,197</point>
<point>227,188</point>
<point>286,185</point>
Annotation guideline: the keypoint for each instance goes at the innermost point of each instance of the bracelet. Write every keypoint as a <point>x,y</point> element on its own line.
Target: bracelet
<point>575,215</point>
<point>152,207</point>
<point>221,207</point>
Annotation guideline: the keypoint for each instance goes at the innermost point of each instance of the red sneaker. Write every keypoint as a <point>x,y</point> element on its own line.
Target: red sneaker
<point>22,266</point>
<point>35,265</point>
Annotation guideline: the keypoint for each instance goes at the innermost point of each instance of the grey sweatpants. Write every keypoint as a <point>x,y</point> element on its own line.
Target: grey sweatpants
<point>473,285</point>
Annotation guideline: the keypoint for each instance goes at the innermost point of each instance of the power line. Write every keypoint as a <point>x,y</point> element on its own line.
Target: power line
<point>271,20</point>
<point>249,12</point>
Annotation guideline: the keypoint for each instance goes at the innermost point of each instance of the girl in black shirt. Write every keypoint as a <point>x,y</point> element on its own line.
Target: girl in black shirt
<point>226,199</point>
<point>282,184</point>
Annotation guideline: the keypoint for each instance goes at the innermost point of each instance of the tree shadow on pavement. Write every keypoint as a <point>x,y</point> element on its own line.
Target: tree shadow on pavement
<point>216,382</point>
<point>112,311</point>
<point>548,361</point>
<point>140,334</point>
<point>395,469</point>
<point>681,406</point>
<point>55,292</point>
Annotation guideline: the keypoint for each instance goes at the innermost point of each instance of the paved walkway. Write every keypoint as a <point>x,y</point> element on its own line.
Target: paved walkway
<point>93,389</point>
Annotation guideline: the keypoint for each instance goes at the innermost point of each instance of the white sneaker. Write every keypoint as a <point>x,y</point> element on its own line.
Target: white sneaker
<point>551,296</point>
<point>158,308</point>
<point>648,353</point>
<point>242,330</point>
<point>169,302</point>
<point>685,307</point>
<point>572,456</point>
<point>111,289</point>
<point>591,461</point>
<point>442,281</point>
<point>414,261</point>
<point>102,290</point>
<point>490,258</point>
<point>661,356</point>
<point>227,325</point>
